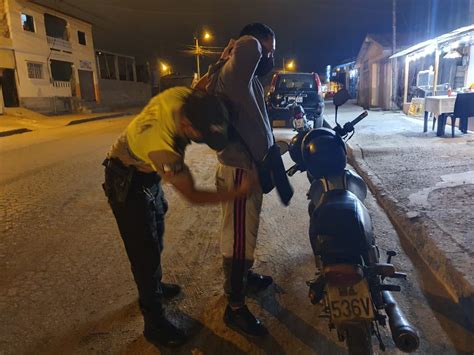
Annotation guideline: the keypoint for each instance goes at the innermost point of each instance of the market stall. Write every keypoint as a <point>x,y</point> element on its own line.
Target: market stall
<point>439,68</point>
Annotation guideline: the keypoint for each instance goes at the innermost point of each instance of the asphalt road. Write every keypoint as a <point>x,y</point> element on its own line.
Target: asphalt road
<point>66,285</point>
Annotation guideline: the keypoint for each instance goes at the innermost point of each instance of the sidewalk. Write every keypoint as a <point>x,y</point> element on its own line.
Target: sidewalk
<point>19,120</point>
<point>426,186</point>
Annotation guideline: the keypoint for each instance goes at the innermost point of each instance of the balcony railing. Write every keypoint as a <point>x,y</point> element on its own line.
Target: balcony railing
<point>61,84</point>
<point>59,43</point>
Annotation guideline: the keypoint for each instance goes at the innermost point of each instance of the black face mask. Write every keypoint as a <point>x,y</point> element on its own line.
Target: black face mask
<point>265,66</point>
<point>198,140</point>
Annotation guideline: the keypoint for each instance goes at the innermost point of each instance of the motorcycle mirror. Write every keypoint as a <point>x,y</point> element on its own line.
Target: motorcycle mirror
<point>284,147</point>
<point>341,97</point>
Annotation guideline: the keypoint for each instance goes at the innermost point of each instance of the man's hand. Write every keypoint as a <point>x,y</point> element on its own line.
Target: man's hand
<point>184,183</point>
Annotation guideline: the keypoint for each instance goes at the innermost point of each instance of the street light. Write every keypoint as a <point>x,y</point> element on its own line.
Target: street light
<point>198,50</point>
<point>165,69</point>
<point>290,65</point>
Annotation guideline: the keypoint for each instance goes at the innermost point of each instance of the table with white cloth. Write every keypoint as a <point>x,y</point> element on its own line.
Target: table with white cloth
<point>438,106</point>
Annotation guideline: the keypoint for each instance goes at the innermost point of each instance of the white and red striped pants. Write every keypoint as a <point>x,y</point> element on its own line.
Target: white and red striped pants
<point>239,229</point>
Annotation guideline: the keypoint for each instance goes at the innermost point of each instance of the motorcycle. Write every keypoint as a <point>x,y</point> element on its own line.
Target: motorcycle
<point>351,280</point>
<point>299,120</point>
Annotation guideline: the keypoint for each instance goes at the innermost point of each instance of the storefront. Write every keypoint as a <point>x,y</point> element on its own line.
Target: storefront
<point>442,66</point>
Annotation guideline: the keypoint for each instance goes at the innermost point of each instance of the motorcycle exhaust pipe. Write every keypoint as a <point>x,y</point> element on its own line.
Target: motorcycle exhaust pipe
<point>404,335</point>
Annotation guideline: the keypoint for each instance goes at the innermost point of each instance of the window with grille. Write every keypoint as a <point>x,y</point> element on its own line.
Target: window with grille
<point>35,70</point>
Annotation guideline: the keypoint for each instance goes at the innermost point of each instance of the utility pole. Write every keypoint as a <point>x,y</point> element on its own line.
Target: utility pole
<point>394,61</point>
<point>199,50</point>
<point>198,53</point>
<point>394,26</point>
<point>429,33</point>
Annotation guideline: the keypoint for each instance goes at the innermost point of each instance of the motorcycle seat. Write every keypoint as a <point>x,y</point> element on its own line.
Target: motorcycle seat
<point>341,222</point>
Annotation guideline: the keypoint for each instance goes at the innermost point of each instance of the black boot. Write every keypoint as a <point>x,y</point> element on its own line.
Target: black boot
<point>241,320</point>
<point>170,290</point>
<point>257,282</point>
<point>161,332</point>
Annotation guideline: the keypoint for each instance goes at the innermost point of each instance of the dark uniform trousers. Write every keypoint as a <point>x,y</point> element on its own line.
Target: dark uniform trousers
<point>139,206</point>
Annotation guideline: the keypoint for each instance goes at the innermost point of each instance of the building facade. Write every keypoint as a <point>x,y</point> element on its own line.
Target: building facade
<point>347,76</point>
<point>47,58</point>
<point>122,82</point>
<point>48,64</point>
<point>375,73</point>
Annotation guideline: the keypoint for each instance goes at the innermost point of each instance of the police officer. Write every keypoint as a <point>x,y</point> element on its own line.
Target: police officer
<point>151,149</point>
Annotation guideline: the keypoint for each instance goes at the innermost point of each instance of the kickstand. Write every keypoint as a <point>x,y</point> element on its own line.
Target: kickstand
<point>379,337</point>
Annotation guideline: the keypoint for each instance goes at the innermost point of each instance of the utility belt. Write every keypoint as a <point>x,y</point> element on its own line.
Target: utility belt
<point>119,179</point>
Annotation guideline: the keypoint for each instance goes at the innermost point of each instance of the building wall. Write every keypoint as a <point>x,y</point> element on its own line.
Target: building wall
<point>117,94</point>
<point>4,28</point>
<point>34,47</point>
<point>374,78</point>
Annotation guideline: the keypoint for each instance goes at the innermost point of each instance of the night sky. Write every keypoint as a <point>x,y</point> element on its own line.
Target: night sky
<point>313,32</point>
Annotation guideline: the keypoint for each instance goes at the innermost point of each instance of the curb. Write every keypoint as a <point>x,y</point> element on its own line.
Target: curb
<point>412,229</point>
<point>14,131</point>
<point>84,120</point>
<point>74,122</point>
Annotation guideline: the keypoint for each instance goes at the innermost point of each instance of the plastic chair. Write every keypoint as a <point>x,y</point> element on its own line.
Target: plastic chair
<point>463,109</point>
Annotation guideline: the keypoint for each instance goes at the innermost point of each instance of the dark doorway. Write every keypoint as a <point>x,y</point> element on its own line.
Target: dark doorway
<point>86,83</point>
<point>10,95</point>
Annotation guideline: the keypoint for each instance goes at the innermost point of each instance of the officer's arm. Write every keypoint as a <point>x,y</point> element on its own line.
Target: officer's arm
<point>184,183</point>
<point>173,171</point>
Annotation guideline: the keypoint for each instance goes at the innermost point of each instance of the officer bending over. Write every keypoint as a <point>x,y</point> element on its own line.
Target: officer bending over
<point>151,149</point>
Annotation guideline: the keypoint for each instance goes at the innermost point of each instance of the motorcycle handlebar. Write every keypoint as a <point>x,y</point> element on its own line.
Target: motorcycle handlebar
<point>359,118</point>
<point>349,126</point>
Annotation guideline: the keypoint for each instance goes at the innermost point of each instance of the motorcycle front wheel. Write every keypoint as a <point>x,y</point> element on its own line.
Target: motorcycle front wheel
<point>359,339</point>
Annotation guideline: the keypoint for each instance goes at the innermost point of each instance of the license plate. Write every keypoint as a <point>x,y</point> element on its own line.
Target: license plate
<point>290,98</point>
<point>350,303</point>
<point>299,99</point>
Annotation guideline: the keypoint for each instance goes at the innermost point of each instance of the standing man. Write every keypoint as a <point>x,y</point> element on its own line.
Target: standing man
<point>151,149</point>
<point>244,61</point>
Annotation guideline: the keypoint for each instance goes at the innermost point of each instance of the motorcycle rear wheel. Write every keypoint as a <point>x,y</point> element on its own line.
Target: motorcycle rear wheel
<point>359,339</point>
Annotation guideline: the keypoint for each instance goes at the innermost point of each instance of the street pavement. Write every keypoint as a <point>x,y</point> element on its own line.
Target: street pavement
<point>18,120</point>
<point>66,285</point>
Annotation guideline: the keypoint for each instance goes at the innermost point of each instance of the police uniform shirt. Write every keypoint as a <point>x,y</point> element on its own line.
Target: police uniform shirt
<point>155,130</point>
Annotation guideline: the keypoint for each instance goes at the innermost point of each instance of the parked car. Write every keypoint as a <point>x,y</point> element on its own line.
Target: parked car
<point>288,88</point>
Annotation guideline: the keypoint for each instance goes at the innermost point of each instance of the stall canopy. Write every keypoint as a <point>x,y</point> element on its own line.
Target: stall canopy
<point>455,45</point>
<point>432,44</point>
